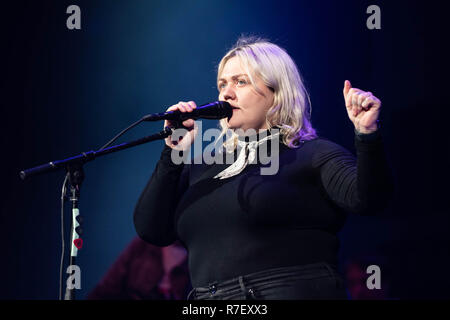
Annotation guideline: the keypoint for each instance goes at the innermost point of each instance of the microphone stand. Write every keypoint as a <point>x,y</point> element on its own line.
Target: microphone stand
<point>76,177</point>
<point>74,167</point>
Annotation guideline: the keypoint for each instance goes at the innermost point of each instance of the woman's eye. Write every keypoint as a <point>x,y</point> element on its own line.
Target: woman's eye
<point>221,86</point>
<point>241,82</point>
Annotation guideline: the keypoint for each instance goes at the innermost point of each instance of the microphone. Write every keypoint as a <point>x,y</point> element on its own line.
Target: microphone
<point>213,110</point>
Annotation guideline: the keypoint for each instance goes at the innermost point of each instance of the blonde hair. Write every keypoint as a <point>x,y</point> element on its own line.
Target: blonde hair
<point>272,64</point>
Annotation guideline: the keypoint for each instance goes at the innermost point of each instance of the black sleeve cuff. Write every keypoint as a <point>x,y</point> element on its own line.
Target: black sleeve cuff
<point>368,137</point>
<point>166,157</point>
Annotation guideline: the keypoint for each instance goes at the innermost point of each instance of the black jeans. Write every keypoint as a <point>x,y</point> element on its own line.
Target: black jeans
<point>313,281</point>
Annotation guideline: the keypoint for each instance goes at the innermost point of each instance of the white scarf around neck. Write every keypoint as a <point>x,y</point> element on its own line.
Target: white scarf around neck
<point>243,160</point>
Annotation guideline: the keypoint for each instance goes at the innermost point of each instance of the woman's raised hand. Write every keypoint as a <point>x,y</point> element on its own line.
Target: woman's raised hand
<point>363,108</point>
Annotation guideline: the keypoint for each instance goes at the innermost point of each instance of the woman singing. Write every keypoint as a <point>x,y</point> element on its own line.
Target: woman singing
<point>266,236</point>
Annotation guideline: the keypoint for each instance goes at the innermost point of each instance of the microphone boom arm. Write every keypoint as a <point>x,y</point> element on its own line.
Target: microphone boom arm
<point>91,155</point>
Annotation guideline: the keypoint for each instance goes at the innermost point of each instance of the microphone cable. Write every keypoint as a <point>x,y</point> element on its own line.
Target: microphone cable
<point>121,133</point>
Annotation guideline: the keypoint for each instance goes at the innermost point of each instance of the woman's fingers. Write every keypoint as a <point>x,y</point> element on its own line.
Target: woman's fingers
<point>189,124</point>
<point>186,106</point>
<point>192,104</point>
<point>182,107</point>
<point>362,107</point>
<point>358,100</point>
<point>347,87</point>
<point>354,100</point>
<point>368,100</point>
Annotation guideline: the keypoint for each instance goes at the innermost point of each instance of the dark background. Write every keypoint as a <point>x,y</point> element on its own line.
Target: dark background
<point>66,91</point>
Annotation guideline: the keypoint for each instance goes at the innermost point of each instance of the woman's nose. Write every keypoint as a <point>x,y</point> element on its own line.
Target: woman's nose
<point>228,93</point>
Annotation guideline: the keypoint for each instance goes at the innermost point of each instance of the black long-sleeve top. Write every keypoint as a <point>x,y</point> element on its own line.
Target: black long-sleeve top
<point>252,222</point>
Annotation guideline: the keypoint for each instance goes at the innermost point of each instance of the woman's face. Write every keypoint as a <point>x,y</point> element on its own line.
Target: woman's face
<point>249,107</point>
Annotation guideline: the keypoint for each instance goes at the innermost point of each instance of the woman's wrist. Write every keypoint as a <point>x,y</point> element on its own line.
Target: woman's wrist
<point>368,137</point>
<point>369,130</point>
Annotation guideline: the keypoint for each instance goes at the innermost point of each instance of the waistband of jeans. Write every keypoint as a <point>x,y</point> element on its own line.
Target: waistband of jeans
<point>320,269</point>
